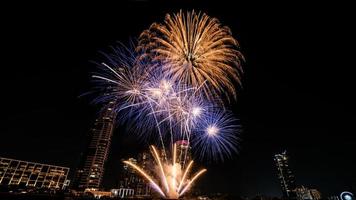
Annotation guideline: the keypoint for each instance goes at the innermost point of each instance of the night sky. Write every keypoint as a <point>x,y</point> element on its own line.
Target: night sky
<point>298,89</point>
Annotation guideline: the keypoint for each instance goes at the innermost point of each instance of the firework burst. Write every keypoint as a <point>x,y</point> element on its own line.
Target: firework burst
<point>172,110</point>
<point>171,85</point>
<point>217,136</point>
<point>170,180</point>
<point>196,50</point>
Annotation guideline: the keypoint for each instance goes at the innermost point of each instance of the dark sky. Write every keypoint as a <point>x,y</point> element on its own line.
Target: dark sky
<point>298,95</point>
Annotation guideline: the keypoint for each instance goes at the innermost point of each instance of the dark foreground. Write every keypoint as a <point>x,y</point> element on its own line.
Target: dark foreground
<point>9,196</point>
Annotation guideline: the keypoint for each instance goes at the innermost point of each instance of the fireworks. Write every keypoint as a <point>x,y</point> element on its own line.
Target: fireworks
<point>170,110</point>
<point>173,180</point>
<point>196,50</point>
<point>217,136</point>
<point>170,87</point>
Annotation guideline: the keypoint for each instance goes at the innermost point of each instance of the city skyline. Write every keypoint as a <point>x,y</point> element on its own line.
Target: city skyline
<point>295,95</point>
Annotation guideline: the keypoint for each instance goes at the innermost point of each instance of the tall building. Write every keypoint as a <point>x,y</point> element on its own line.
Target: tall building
<point>90,172</point>
<point>130,180</point>
<point>183,152</point>
<point>128,177</point>
<point>285,175</point>
<point>143,187</point>
<point>29,174</point>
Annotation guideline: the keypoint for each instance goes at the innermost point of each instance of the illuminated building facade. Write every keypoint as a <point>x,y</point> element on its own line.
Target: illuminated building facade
<point>183,152</point>
<point>304,193</point>
<point>128,176</point>
<point>29,174</point>
<point>90,172</point>
<point>285,175</point>
<point>142,187</point>
<point>130,182</point>
<point>316,195</point>
<point>122,192</point>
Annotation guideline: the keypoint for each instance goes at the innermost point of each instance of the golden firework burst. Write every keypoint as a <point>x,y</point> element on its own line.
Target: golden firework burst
<point>194,49</point>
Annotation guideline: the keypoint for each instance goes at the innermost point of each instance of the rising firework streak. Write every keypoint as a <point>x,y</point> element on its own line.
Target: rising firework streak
<point>172,181</point>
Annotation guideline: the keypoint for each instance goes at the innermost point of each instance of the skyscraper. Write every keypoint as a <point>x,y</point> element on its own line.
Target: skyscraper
<point>143,187</point>
<point>90,172</point>
<point>285,175</point>
<point>131,180</point>
<point>128,177</point>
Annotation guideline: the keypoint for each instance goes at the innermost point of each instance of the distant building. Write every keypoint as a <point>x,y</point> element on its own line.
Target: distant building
<point>90,172</point>
<point>97,194</point>
<point>315,194</point>
<point>122,192</point>
<point>30,174</point>
<point>183,152</point>
<point>285,175</point>
<point>303,193</point>
<point>142,186</point>
<point>132,183</point>
<point>128,177</point>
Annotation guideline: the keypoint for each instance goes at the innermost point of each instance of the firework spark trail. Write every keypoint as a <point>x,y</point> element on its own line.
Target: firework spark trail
<point>174,167</point>
<point>143,173</point>
<point>103,78</point>
<point>185,174</point>
<point>159,132</point>
<point>174,81</point>
<point>169,175</point>
<point>158,160</point>
<point>185,67</point>
<point>191,182</point>
<point>158,102</point>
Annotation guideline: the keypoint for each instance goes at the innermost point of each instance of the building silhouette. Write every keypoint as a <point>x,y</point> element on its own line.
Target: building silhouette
<point>30,174</point>
<point>285,175</point>
<point>90,172</point>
